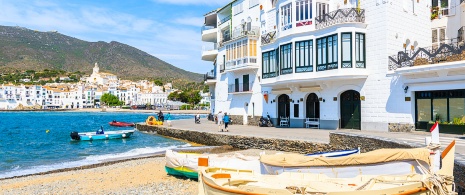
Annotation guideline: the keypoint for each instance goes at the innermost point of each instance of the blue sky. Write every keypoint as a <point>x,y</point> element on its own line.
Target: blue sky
<point>167,29</point>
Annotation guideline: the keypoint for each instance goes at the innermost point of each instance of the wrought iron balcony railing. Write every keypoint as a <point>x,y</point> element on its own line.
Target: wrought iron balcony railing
<point>429,55</point>
<point>241,30</point>
<point>241,87</point>
<point>269,38</point>
<point>340,16</point>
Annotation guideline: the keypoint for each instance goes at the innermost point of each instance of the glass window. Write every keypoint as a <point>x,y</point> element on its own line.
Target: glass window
<point>269,64</point>
<point>286,58</point>
<point>303,59</point>
<point>327,53</point>
<point>303,10</point>
<point>346,46</point>
<point>440,109</point>
<point>456,108</point>
<point>424,110</point>
<point>360,50</point>
<point>286,16</point>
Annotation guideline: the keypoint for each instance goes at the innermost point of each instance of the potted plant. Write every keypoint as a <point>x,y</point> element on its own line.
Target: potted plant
<point>456,126</point>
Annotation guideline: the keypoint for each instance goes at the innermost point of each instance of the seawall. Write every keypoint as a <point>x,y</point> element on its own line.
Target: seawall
<point>338,141</point>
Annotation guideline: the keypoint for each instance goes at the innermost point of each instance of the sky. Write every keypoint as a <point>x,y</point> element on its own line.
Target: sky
<point>166,29</point>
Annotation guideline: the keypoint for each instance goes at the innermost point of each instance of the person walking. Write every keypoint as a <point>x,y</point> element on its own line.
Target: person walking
<point>226,121</point>
<point>220,121</point>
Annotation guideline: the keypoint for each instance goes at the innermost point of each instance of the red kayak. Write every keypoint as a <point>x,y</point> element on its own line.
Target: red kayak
<point>121,124</point>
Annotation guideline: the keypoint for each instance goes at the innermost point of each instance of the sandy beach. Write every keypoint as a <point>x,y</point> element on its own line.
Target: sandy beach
<point>140,176</point>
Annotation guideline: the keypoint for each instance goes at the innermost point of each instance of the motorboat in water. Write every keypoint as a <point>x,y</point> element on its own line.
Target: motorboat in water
<point>89,136</point>
<point>121,124</point>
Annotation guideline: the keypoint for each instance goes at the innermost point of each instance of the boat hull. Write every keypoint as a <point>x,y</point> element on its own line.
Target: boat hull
<point>90,136</point>
<point>121,124</point>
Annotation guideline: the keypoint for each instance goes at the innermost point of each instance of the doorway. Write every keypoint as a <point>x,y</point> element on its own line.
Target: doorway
<point>312,106</point>
<point>283,107</point>
<point>350,110</point>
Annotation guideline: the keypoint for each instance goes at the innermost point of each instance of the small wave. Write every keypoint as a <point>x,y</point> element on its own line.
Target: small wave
<point>89,160</point>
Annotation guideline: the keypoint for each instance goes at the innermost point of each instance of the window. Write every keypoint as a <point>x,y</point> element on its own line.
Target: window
<point>445,105</point>
<point>286,17</point>
<point>269,64</point>
<point>303,12</point>
<point>360,57</point>
<point>322,8</point>
<point>327,53</point>
<point>286,58</point>
<point>346,47</point>
<point>304,56</point>
<point>237,9</point>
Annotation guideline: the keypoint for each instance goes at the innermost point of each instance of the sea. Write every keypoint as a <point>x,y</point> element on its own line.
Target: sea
<point>33,142</point>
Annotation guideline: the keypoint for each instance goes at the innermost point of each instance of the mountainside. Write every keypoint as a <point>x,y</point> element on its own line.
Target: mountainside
<point>24,49</point>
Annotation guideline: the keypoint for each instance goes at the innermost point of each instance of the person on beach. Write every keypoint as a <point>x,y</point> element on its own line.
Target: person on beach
<point>220,121</point>
<point>161,117</point>
<point>168,119</point>
<point>226,121</point>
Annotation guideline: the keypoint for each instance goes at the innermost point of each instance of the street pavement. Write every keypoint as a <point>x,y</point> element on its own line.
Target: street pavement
<point>319,135</point>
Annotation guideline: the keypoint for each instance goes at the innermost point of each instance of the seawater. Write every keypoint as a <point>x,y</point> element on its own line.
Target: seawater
<point>27,148</point>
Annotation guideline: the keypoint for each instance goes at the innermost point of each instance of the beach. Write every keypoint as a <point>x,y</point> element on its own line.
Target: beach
<point>136,176</point>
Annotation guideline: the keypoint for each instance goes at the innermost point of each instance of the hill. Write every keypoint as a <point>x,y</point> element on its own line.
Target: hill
<point>25,49</point>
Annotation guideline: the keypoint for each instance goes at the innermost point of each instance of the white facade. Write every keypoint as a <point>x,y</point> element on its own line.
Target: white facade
<point>343,62</point>
<point>234,84</point>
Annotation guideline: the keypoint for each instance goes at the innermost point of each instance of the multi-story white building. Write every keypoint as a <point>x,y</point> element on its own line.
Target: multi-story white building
<point>350,64</point>
<point>233,32</point>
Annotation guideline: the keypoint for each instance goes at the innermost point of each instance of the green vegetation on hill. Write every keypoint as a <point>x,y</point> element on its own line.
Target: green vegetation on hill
<point>23,49</point>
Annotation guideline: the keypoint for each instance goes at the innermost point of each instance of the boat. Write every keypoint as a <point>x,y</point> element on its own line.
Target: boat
<point>121,124</point>
<point>186,164</point>
<point>89,136</point>
<point>336,153</point>
<point>152,121</point>
<point>228,181</point>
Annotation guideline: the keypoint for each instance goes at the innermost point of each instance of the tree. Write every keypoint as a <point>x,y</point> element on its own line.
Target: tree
<point>110,99</point>
<point>206,89</point>
<point>158,82</point>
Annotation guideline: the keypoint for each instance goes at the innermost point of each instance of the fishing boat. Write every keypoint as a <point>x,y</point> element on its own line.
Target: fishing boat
<point>152,121</point>
<point>186,164</point>
<point>90,136</point>
<point>121,124</point>
<point>336,153</point>
<point>227,181</point>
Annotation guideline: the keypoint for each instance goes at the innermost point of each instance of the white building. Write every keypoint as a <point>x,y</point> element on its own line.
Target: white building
<point>100,78</point>
<point>350,64</point>
<point>233,33</point>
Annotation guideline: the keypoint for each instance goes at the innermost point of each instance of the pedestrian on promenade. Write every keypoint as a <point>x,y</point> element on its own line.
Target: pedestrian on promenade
<point>220,121</point>
<point>168,119</point>
<point>226,121</point>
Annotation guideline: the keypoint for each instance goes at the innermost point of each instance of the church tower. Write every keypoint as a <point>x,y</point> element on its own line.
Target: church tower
<point>96,69</point>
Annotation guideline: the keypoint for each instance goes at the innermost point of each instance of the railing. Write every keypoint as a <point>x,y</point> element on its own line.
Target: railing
<point>209,75</point>
<point>210,47</point>
<point>461,34</point>
<point>225,19</point>
<point>241,30</point>
<point>204,28</point>
<point>430,55</point>
<point>241,87</point>
<point>269,37</point>
<point>240,62</point>
<point>340,16</point>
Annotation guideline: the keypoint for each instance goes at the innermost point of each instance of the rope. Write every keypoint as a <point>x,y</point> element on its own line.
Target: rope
<point>436,184</point>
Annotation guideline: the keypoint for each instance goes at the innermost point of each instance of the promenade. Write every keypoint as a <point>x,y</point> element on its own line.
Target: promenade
<point>320,135</point>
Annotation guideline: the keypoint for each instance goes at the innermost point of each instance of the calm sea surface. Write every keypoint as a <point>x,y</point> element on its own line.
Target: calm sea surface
<point>26,147</point>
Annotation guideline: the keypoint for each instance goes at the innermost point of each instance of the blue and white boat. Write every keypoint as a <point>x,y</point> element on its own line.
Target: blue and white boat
<point>335,153</point>
<point>89,136</point>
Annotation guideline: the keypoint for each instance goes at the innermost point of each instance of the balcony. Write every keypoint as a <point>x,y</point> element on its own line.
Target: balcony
<point>451,52</point>
<point>224,20</point>
<point>240,88</point>
<point>210,52</point>
<point>340,16</point>
<point>245,30</point>
<point>268,38</point>
<point>209,33</point>
<point>210,77</point>
<point>240,64</point>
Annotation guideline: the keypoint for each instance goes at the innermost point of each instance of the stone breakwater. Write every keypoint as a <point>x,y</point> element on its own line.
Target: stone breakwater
<point>338,141</point>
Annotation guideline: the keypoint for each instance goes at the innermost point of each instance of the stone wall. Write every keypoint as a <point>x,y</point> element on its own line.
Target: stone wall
<point>338,141</point>
<point>401,127</point>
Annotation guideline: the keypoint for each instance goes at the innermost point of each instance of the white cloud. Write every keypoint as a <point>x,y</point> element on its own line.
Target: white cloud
<point>196,2</point>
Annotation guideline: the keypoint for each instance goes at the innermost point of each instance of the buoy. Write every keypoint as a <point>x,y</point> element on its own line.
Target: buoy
<point>90,136</point>
<point>46,131</point>
<point>124,135</point>
<point>106,136</point>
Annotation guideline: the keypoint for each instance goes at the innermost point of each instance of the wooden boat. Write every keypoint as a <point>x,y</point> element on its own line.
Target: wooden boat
<point>336,153</point>
<point>121,124</point>
<point>227,181</point>
<point>186,164</point>
<point>152,121</point>
<point>90,136</point>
